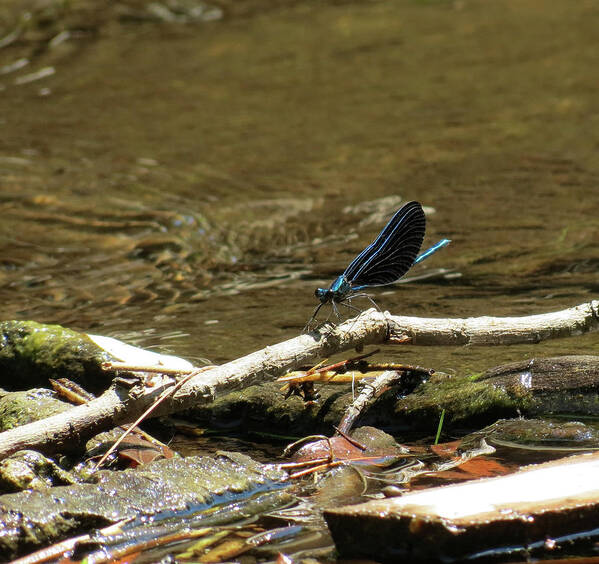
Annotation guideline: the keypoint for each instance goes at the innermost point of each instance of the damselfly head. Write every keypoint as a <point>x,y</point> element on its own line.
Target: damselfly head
<point>322,294</point>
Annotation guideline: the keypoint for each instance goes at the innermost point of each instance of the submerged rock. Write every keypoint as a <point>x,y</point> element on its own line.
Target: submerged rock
<point>537,434</point>
<point>264,408</point>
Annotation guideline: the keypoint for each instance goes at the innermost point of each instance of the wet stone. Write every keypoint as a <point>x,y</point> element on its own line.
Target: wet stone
<point>160,490</point>
<point>28,469</point>
<point>20,408</point>
<point>31,352</point>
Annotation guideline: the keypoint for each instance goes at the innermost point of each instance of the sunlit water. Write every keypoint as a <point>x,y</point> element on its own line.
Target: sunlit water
<point>185,187</point>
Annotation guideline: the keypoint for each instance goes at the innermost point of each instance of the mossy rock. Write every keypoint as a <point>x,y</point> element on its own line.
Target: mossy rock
<point>31,352</point>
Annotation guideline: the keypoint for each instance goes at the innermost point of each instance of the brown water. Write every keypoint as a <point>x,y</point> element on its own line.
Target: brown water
<point>186,186</point>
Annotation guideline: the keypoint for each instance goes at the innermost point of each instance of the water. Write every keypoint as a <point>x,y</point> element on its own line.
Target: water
<point>185,187</point>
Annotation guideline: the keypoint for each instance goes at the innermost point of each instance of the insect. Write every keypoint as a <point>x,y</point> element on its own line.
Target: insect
<point>383,262</point>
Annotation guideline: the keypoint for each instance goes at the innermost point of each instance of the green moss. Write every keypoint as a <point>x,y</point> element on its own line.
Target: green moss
<point>31,352</point>
<point>28,469</point>
<point>216,490</point>
<point>463,399</point>
<point>20,408</point>
<point>264,408</point>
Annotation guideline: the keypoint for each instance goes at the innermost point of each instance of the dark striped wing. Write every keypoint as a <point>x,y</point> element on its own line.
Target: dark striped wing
<point>393,252</point>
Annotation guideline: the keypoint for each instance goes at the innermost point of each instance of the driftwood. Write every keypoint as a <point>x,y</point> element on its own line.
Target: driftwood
<point>547,374</point>
<point>541,505</point>
<point>488,331</point>
<point>120,405</point>
<point>370,391</point>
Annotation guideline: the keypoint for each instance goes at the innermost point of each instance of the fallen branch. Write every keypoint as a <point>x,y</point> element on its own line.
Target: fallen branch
<point>487,331</point>
<point>118,406</point>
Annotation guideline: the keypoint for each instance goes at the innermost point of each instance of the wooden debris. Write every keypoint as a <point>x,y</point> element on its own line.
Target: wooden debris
<point>534,508</point>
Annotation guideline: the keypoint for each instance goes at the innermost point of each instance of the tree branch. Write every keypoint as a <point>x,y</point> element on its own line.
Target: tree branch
<point>485,331</point>
<point>118,406</point>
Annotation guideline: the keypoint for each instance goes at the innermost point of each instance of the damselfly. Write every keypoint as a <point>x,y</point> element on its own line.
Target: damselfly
<point>384,261</point>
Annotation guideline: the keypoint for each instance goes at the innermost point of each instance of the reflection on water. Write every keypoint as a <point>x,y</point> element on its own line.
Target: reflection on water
<point>187,184</point>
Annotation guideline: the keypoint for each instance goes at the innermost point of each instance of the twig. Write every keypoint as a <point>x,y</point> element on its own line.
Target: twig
<point>349,439</point>
<point>165,394</point>
<point>370,391</point>
<point>141,368</point>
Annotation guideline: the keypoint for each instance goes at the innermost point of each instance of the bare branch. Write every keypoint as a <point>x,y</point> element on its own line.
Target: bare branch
<point>487,331</point>
<point>118,406</point>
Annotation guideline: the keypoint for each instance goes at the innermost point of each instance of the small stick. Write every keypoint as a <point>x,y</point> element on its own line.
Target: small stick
<point>304,464</point>
<point>370,391</point>
<point>325,466</point>
<point>110,366</point>
<point>349,439</point>
<point>165,394</point>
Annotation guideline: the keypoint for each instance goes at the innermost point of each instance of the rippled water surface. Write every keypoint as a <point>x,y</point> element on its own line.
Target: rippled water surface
<point>186,184</point>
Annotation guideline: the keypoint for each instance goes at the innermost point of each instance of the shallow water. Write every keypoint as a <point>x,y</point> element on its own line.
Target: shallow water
<point>186,186</point>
